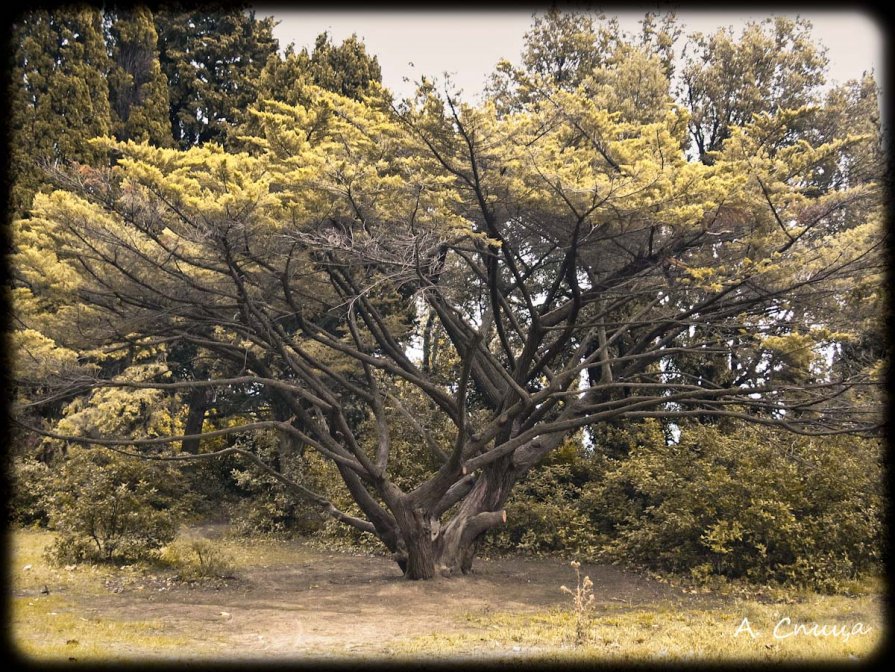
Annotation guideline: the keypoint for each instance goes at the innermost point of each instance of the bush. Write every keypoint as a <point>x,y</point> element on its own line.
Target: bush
<point>544,515</point>
<point>110,507</point>
<point>555,510</point>
<point>725,501</point>
<point>747,503</point>
<point>30,493</point>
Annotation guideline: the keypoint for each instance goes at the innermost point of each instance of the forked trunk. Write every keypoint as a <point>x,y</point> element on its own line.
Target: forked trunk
<point>428,548</point>
<point>416,554</point>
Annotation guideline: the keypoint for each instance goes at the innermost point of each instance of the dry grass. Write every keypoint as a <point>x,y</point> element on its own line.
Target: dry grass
<point>670,632</point>
<point>48,627</point>
<point>243,554</point>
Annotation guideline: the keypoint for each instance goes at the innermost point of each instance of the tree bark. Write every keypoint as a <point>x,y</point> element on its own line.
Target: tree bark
<point>428,548</point>
<point>198,403</point>
<point>416,553</point>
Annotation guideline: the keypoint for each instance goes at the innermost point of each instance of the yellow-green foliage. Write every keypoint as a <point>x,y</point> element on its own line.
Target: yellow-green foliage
<point>38,357</point>
<point>774,64</point>
<point>794,349</point>
<point>114,411</point>
<point>333,159</point>
<point>734,502</point>
<point>749,502</point>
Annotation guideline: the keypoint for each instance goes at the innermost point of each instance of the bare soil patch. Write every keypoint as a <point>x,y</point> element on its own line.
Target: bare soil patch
<point>307,603</point>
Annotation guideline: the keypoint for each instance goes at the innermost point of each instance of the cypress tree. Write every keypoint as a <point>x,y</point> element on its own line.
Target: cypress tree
<point>138,89</point>
<point>58,95</point>
<point>212,61</point>
<point>344,69</point>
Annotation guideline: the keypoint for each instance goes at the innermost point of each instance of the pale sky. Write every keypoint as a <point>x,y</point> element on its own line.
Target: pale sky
<point>468,44</point>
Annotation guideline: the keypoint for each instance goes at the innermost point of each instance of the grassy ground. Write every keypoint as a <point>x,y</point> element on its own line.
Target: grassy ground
<point>47,626</point>
<point>104,614</point>
<point>746,624</point>
<point>665,632</point>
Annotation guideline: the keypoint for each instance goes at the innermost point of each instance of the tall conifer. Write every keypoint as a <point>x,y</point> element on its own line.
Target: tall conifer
<point>138,88</point>
<point>58,94</point>
<point>212,61</point>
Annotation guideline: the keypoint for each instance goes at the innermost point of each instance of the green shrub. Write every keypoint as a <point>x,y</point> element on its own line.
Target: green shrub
<point>747,503</point>
<point>555,509</point>
<point>30,493</point>
<point>544,515</point>
<point>110,507</point>
<point>725,501</point>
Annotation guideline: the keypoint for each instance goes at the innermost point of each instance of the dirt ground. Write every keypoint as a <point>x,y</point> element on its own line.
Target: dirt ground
<point>325,604</point>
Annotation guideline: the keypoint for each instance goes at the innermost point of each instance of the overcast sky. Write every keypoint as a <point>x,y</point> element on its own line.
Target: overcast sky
<point>469,44</point>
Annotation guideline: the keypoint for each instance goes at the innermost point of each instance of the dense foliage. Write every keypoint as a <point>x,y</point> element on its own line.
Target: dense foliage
<point>107,507</point>
<point>390,315</point>
<point>138,89</point>
<point>58,98</point>
<point>739,504</point>
<point>212,61</point>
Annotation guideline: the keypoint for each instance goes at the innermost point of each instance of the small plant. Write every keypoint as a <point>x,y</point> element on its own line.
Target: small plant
<point>583,600</point>
<point>198,559</point>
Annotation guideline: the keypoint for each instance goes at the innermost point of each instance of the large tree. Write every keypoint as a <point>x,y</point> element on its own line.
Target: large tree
<point>542,244</point>
<point>629,73</point>
<point>346,69</point>
<point>725,79</point>
<point>492,279</point>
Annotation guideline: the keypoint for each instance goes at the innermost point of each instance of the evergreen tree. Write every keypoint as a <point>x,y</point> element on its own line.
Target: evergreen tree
<point>773,65</point>
<point>138,88</point>
<point>59,96</point>
<point>542,241</point>
<point>346,69</point>
<point>212,61</point>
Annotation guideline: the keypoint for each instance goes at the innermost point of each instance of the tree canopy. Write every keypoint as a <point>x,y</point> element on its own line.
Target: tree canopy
<point>510,273</point>
<point>212,60</point>
<point>774,65</point>
<point>60,99</point>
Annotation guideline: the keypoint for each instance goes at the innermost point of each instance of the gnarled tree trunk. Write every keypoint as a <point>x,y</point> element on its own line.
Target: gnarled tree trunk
<point>427,547</point>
